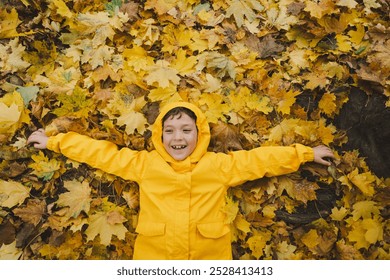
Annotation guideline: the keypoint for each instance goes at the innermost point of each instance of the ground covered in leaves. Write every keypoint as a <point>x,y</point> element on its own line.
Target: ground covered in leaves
<point>264,72</point>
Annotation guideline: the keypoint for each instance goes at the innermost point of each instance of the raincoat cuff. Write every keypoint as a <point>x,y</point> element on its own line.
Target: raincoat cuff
<point>53,143</point>
<point>305,153</point>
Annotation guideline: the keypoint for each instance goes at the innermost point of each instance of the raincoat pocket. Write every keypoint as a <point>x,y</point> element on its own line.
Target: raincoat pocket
<point>151,229</point>
<point>213,230</point>
<point>151,241</point>
<point>213,242</point>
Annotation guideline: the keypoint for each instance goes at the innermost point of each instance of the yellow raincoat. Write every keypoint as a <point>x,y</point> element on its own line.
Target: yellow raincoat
<point>181,202</point>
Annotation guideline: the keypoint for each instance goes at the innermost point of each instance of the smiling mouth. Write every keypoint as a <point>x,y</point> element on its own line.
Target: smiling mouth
<point>179,147</point>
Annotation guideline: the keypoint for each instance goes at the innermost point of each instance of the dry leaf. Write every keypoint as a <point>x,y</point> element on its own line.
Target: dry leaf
<point>12,193</point>
<point>33,212</point>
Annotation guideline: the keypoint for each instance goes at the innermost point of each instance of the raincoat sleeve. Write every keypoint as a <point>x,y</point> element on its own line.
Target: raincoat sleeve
<point>100,154</point>
<point>241,166</point>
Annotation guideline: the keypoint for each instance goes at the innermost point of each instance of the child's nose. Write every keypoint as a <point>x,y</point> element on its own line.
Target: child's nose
<point>178,135</point>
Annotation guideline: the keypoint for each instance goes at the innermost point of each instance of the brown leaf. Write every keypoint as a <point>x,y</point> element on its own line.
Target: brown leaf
<point>131,9</point>
<point>225,137</point>
<point>7,233</point>
<point>265,47</point>
<point>26,232</point>
<point>347,251</point>
<point>301,190</point>
<point>33,212</point>
<point>66,124</point>
<point>12,169</point>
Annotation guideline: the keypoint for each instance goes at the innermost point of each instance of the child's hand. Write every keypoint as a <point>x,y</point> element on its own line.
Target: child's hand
<point>322,152</point>
<point>39,138</point>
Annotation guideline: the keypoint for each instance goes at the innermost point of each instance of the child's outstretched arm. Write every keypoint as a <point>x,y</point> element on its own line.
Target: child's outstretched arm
<point>321,153</point>
<point>100,154</point>
<point>39,139</point>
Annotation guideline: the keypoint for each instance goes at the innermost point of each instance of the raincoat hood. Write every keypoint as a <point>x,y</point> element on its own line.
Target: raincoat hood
<point>201,124</point>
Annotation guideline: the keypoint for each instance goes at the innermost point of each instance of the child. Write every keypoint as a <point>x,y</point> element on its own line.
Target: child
<point>182,186</point>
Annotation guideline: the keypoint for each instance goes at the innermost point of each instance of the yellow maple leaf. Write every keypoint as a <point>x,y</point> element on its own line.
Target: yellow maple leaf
<point>370,4</point>
<point>363,181</point>
<point>127,111</point>
<point>77,104</point>
<point>8,23</point>
<point>298,60</point>
<point>244,99</point>
<point>338,214</point>
<point>162,75</point>
<point>283,129</point>
<point>320,8</point>
<point>165,95</point>
<point>258,241</point>
<point>310,239</point>
<point>13,113</point>
<point>325,132</point>
<point>183,64</point>
<point>230,209</point>
<point>97,56</point>
<point>10,252</point>
<point>269,211</point>
<point>202,41</point>
<point>327,104</point>
<point>61,80</point>
<point>103,224</point>
<point>77,198</point>
<point>285,251</point>
<point>61,8</point>
<point>174,38</point>
<point>44,167</point>
<point>241,9</point>
<point>333,69</point>
<point>343,43</point>
<point>347,3</point>
<point>101,25</point>
<point>365,209</point>
<point>160,6</point>
<point>280,18</point>
<point>315,79</point>
<point>301,190</point>
<point>219,63</point>
<point>9,116</point>
<point>148,32</point>
<point>210,17</point>
<point>210,84</point>
<point>134,121</point>
<point>365,232</point>
<point>11,57</point>
<point>356,36</point>
<point>214,107</point>
<point>137,58</point>
<point>241,224</point>
<point>285,103</point>
<point>12,193</point>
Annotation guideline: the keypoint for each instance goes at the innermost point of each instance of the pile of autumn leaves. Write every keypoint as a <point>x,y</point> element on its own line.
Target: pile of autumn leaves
<point>264,73</point>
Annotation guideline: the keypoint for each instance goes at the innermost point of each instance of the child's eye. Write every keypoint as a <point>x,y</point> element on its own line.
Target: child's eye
<point>187,130</point>
<point>168,131</point>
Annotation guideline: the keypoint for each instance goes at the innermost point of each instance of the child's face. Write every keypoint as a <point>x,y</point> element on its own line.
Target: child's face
<point>180,136</point>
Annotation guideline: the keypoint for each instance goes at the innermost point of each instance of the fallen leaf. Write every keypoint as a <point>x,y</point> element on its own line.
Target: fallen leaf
<point>78,198</point>
<point>12,193</point>
<point>10,252</point>
<point>44,167</point>
<point>33,212</point>
<point>162,74</point>
<point>99,225</point>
